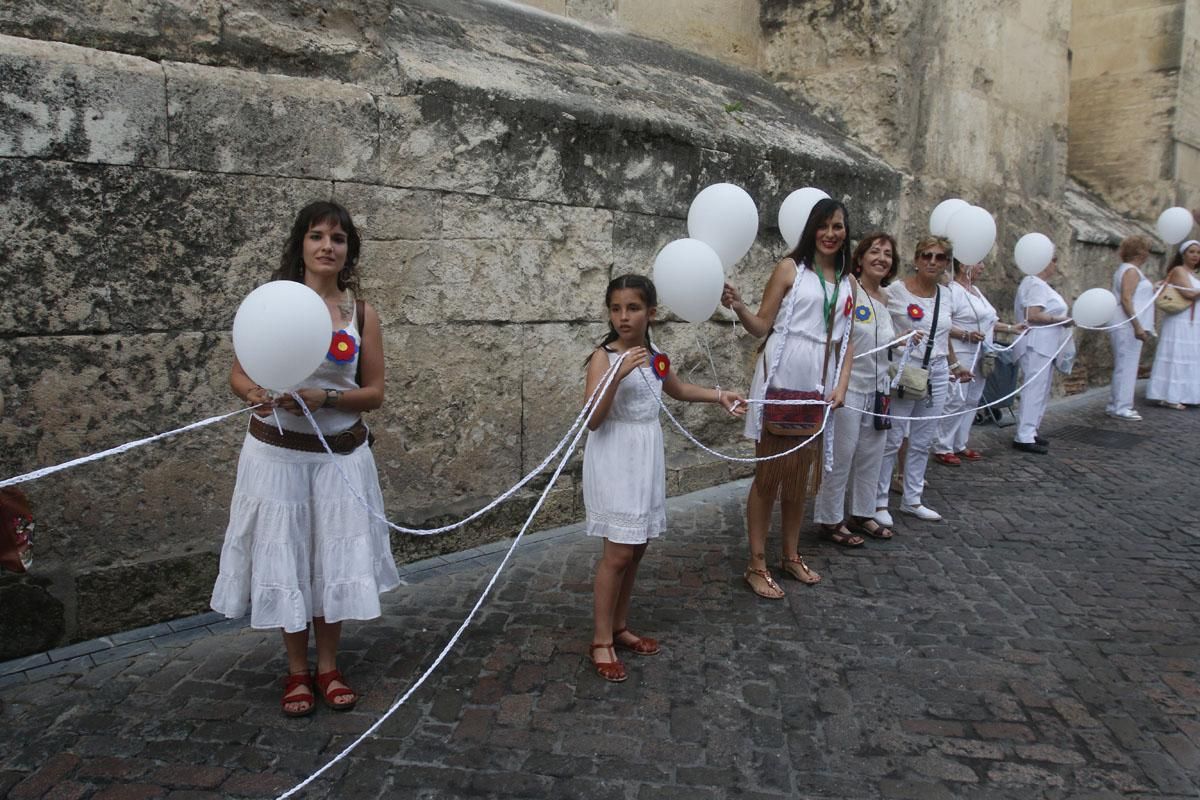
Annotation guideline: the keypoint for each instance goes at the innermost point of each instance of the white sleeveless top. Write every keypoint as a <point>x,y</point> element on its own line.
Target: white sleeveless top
<point>1143,302</point>
<point>337,371</point>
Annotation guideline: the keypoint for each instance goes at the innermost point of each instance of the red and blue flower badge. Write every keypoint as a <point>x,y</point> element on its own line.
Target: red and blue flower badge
<point>849,305</point>
<point>863,314</point>
<point>343,348</point>
<point>661,365</point>
<point>915,312</point>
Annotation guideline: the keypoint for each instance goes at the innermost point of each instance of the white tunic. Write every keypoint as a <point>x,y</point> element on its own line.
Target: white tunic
<point>970,311</point>
<point>624,469</point>
<point>1040,339</point>
<point>796,347</point>
<point>1143,299</point>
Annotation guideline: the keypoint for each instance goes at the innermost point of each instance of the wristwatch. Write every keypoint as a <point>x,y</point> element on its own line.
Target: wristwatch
<point>332,396</point>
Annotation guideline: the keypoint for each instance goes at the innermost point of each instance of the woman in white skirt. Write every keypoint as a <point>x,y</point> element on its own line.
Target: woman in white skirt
<point>1175,377</point>
<point>300,547</point>
<point>973,324</point>
<point>858,438</point>
<point>1135,312</point>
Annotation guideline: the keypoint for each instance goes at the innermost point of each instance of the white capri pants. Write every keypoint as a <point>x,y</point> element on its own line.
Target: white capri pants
<point>857,451</point>
<point>953,432</point>
<point>920,432</point>
<point>1034,396</point>
<point>1127,352</point>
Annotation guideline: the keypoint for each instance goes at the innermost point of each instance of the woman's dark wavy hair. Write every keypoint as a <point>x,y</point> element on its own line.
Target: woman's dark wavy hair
<point>866,244</point>
<point>639,283</point>
<point>806,249</point>
<point>291,263</point>
<point>1177,259</point>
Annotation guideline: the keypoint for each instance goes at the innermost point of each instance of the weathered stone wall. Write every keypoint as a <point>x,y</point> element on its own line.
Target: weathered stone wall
<point>502,166</point>
<point>1135,110</point>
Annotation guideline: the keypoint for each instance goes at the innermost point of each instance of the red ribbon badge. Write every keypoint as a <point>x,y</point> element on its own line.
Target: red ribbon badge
<point>849,305</point>
<point>662,366</point>
<point>915,312</point>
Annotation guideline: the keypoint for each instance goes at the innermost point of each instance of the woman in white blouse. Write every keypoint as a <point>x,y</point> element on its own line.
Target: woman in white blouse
<point>857,438</point>
<point>973,322</point>
<point>1046,313</point>
<point>912,303</point>
<point>1135,294</point>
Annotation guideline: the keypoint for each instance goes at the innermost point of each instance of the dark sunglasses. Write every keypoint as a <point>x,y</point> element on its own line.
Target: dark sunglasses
<point>937,258</point>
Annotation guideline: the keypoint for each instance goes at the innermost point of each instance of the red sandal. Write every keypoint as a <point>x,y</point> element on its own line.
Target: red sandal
<point>291,683</point>
<point>644,646</point>
<point>330,695</point>
<point>612,671</point>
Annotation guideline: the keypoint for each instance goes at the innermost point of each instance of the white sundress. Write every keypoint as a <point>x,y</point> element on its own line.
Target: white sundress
<point>624,468</point>
<point>299,544</point>
<point>1175,376</point>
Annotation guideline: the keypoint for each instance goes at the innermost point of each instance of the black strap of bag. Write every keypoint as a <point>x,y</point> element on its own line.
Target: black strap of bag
<point>937,308</point>
<point>360,315</point>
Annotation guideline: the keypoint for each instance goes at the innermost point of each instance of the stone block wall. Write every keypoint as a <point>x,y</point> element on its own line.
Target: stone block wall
<point>502,167</point>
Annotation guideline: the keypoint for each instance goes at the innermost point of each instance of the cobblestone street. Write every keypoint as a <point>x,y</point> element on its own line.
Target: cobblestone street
<point>1042,642</point>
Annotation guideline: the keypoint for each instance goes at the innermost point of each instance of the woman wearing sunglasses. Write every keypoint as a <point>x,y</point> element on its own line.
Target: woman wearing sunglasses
<point>919,303</point>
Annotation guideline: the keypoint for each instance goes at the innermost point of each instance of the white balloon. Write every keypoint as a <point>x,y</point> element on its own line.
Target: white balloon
<point>724,217</point>
<point>689,279</point>
<point>1033,253</point>
<point>1094,308</point>
<point>281,333</point>
<point>795,211</point>
<point>942,213</point>
<point>972,231</point>
<point>1175,224</point>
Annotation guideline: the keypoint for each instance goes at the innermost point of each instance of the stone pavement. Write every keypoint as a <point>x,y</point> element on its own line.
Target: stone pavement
<point>1044,642</point>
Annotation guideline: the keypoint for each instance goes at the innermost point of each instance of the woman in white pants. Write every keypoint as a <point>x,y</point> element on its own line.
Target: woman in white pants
<point>1045,311</point>
<point>973,322</point>
<point>912,303</point>
<point>857,440</point>
<point>1135,294</point>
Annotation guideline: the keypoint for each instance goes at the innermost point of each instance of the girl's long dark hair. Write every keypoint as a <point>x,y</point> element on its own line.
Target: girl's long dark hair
<point>1177,259</point>
<point>291,263</point>
<point>639,283</point>
<point>806,249</point>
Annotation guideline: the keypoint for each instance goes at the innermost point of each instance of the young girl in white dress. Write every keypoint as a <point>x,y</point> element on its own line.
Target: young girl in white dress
<point>299,546</point>
<point>624,470</point>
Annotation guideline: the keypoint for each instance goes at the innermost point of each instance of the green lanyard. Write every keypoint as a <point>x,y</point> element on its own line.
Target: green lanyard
<point>828,300</point>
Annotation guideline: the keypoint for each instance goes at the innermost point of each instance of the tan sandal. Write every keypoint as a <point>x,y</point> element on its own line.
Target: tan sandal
<point>611,671</point>
<point>798,569</point>
<point>766,586</point>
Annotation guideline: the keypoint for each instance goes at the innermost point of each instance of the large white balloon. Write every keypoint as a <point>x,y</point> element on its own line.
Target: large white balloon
<point>281,333</point>
<point>1094,308</point>
<point>724,217</point>
<point>942,213</point>
<point>1033,253</point>
<point>689,278</point>
<point>972,231</point>
<point>795,211</point>
<point>1175,224</point>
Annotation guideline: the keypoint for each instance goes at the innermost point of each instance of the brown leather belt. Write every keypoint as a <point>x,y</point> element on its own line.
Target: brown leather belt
<point>342,443</point>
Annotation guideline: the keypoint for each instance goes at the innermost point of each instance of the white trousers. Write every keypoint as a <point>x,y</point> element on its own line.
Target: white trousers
<point>1034,396</point>
<point>1127,352</point>
<point>953,432</point>
<point>857,451</point>
<point>920,433</point>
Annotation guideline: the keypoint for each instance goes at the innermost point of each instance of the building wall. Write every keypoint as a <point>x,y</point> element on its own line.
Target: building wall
<point>502,166</point>
<point>1135,110</point>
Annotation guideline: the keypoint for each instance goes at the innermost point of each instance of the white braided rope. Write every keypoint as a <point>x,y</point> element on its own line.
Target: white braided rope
<point>589,408</point>
<point>600,388</point>
<point>124,448</point>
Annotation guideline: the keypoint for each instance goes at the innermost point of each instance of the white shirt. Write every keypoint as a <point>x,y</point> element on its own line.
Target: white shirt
<point>1042,340</point>
<point>1143,299</point>
<point>910,312</point>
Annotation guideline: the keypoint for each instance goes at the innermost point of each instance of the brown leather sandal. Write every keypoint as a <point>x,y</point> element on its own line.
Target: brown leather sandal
<point>798,569</point>
<point>644,646</point>
<point>330,695</point>
<point>771,590</point>
<point>291,683</point>
<point>845,538</point>
<point>612,671</point>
